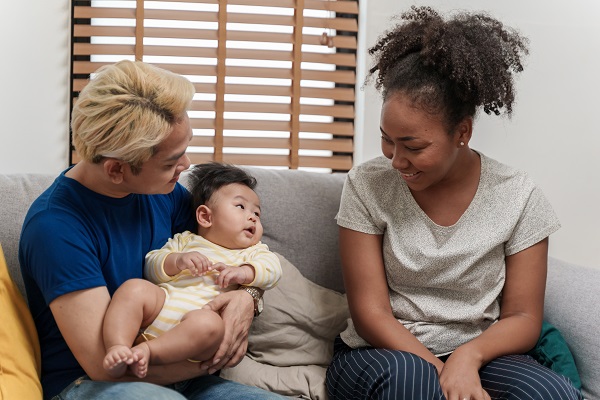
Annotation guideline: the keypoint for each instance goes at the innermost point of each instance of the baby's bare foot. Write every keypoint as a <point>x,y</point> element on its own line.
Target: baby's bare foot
<point>141,354</point>
<point>117,358</point>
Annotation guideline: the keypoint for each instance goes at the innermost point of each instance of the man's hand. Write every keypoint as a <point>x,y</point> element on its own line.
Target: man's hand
<point>237,310</point>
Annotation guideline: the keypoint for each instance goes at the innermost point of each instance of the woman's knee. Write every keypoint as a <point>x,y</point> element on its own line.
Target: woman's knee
<point>377,373</point>
<point>517,377</point>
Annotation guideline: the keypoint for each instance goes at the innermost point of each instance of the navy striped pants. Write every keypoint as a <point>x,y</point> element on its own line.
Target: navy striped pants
<point>369,373</point>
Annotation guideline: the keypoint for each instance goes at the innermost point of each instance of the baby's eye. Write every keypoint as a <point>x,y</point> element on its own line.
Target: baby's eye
<point>240,206</point>
<point>257,214</point>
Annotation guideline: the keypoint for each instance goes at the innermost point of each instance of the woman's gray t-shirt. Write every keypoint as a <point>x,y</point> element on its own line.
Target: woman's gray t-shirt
<point>445,281</point>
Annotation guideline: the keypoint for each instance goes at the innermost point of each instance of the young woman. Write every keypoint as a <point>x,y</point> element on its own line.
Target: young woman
<point>444,250</point>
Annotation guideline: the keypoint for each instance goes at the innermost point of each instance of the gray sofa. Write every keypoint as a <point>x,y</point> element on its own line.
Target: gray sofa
<point>298,217</point>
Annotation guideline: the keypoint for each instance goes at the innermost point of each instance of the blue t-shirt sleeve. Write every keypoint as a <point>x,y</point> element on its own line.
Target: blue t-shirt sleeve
<point>60,256</point>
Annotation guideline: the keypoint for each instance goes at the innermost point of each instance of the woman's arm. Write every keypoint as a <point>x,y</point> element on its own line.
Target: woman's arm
<point>521,309</point>
<point>80,315</point>
<point>517,331</point>
<point>368,296</point>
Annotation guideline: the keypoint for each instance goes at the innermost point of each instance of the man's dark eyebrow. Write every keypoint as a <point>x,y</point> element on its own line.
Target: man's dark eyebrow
<point>402,139</point>
<point>176,156</point>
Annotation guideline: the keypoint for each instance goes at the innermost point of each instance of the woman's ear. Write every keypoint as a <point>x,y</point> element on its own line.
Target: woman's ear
<point>114,169</point>
<point>464,130</point>
<point>204,216</point>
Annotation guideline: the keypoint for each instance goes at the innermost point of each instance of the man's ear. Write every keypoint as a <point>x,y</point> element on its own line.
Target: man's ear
<point>204,216</point>
<point>114,169</point>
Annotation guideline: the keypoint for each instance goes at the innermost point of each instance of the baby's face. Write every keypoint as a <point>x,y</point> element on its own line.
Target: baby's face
<point>235,210</point>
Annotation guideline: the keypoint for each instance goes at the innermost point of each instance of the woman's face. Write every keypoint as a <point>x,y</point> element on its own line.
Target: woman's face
<point>419,144</point>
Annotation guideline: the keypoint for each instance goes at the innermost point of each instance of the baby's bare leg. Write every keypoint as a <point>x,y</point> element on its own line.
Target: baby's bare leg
<point>134,305</point>
<point>196,337</point>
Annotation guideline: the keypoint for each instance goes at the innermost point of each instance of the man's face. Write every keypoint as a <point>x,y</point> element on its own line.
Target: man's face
<point>159,174</point>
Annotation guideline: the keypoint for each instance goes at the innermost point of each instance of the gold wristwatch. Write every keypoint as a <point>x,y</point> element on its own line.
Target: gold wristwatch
<point>256,294</point>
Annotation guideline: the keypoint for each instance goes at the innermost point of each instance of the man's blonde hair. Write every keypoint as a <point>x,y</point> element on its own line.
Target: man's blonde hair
<point>126,110</point>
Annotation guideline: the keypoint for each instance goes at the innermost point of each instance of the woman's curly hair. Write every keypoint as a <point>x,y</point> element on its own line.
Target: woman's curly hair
<point>451,66</point>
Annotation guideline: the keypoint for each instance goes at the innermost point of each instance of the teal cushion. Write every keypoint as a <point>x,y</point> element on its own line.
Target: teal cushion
<point>552,351</point>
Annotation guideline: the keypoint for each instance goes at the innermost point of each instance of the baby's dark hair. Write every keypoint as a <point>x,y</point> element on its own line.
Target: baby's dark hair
<point>451,66</point>
<point>206,179</point>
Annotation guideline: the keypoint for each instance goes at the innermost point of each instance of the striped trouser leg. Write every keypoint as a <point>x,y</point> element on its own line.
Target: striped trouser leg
<point>521,377</point>
<point>368,373</point>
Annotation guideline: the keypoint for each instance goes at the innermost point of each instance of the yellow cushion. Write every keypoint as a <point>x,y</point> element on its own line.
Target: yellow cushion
<point>19,345</point>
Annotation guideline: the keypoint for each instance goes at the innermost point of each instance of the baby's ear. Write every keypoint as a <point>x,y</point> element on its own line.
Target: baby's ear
<point>204,216</point>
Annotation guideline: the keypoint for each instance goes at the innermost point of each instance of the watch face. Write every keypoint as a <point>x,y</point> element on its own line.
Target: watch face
<point>260,305</point>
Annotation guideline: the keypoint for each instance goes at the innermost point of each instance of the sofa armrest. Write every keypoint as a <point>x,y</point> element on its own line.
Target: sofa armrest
<point>571,305</point>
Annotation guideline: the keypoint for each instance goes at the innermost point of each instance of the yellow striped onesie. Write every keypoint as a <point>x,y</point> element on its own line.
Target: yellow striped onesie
<point>186,292</point>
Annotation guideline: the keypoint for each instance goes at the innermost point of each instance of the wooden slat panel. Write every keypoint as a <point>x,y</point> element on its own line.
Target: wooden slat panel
<point>333,162</point>
<point>189,51</point>
<point>341,59</point>
<point>338,144</point>
<point>95,30</point>
<point>180,51</point>
<point>344,6</point>
<point>294,144</point>
<point>339,111</point>
<point>343,42</point>
<point>340,94</point>
<point>348,77</point>
<point>177,15</point>
<point>88,67</point>
<point>243,159</point>
<point>336,128</point>
<point>349,7</point>
<point>103,12</point>
<point>87,49</point>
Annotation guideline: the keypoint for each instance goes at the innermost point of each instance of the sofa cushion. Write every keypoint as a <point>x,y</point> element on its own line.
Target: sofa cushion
<point>571,305</point>
<point>552,351</point>
<point>19,346</point>
<point>299,220</point>
<point>292,340</point>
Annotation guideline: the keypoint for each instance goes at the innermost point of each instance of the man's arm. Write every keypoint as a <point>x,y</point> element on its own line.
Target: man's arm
<point>80,316</point>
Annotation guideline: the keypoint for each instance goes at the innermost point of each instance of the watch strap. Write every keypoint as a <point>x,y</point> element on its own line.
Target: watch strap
<point>256,294</point>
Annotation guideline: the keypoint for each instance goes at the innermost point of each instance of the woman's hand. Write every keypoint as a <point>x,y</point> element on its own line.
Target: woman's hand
<point>237,310</point>
<point>460,377</point>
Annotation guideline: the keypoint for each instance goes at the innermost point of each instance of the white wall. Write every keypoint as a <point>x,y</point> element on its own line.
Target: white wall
<point>553,133</point>
<point>34,77</point>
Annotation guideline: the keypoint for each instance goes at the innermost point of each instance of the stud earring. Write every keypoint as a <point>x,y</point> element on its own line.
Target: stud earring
<point>462,143</point>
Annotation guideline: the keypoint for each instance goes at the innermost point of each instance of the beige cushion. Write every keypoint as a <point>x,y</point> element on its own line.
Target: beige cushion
<point>290,344</point>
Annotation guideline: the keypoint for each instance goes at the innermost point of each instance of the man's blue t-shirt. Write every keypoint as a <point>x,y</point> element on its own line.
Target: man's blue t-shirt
<point>75,239</point>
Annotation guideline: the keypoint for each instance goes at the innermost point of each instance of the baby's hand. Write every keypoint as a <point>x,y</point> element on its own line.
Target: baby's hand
<point>197,263</point>
<point>233,275</point>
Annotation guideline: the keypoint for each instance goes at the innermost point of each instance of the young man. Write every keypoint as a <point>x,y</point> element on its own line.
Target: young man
<point>89,232</point>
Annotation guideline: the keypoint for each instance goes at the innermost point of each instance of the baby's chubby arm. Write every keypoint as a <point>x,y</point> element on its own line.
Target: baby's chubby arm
<point>195,262</point>
<point>228,275</point>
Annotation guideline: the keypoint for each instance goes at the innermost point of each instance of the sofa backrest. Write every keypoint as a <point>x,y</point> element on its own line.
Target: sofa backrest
<point>17,192</point>
<point>299,210</point>
<point>298,217</point>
